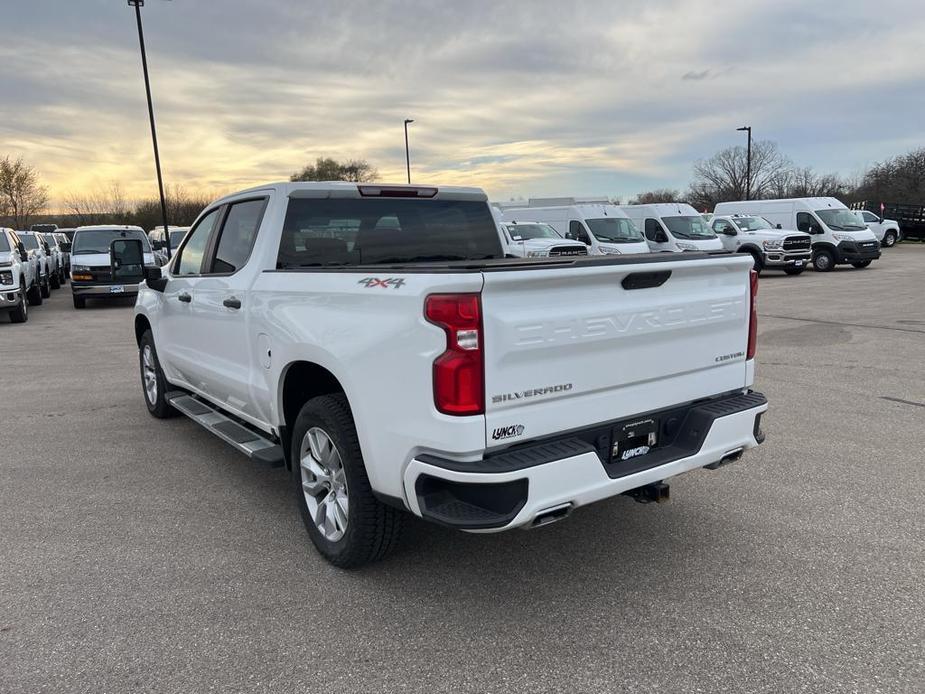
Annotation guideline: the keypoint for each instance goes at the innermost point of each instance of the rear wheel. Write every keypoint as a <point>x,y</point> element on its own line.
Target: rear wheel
<point>20,314</point>
<point>794,270</point>
<point>153,382</point>
<point>890,238</point>
<point>758,265</point>
<point>823,260</point>
<point>861,264</point>
<point>79,301</point>
<point>347,524</point>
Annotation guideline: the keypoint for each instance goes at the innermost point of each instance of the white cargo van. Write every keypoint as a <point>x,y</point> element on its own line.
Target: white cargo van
<point>673,226</point>
<point>838,235</point>
<point>603,228</point>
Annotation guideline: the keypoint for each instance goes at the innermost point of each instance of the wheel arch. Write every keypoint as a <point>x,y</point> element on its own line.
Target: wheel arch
<point>299,382</point>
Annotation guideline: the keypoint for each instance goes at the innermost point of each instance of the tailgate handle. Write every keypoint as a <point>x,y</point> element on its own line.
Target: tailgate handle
<point>646,280</point>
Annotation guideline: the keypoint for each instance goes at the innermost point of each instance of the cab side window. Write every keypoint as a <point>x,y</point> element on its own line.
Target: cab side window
<point>721,226</point>
<point>652,230</point>
<point>870,216</point>
<point>805,222</point>
<point>189,258</point>
<point>577,232</point>
<point>238,235</point>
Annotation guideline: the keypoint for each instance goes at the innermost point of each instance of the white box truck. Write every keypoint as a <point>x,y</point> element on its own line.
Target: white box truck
<point>674,226</point>
<point>839,237</point>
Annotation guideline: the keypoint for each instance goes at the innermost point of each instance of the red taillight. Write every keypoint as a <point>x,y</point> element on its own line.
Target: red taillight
<point>752,316</point>
<point>459,373</point>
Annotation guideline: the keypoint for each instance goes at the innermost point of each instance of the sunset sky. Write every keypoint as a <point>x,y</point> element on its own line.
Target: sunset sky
<point>522,98</point>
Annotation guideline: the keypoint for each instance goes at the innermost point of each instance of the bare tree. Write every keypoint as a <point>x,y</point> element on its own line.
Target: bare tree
<point>21,194</point>
<point>899,179</point>
<point>182,208</point>
<point>327,169</point>
<point>655,196</point>
<point>104,205</point>
<point>806,183</point>
<point>723,176</point>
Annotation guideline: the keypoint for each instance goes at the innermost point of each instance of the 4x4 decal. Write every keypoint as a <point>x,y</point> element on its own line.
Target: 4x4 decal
<point>371,282</point>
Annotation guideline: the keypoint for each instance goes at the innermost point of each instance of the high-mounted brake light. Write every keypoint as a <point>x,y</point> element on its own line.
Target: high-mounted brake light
<point>459,373</point>
<point>752,316</point>
<point>396,192</point>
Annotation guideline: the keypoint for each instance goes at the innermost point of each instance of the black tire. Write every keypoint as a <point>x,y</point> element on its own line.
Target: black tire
<point>55,281</point>
<point>158,405</point>
<point>20,314</point>
<point>373,529</point>
<point>823,260</point>
<point>890,238</point>
<point>63,279</point>
<point>794,270</point>
<point>861,264</point>
<point>34,295</point>
<point>45,289</point>
<point>756,259</point>
<point>79,301</point>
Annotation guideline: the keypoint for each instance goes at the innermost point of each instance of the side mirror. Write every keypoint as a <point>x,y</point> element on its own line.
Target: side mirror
<point>778,226</point>
<point>154,278</point>
<point>23,255</point>
<point>66,246</point>
<point>729,231</point>
<point>127,258</point>
<point>661,237</point>
<point>571,235</point>
<point>158,245</point>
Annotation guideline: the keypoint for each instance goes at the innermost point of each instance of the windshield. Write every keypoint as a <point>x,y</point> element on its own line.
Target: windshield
<point>520,232</point>
<point>366,231</point>
<point>841,220</point>
<point>614,230</point>
<point>752,223</point>
<point>29,241</point>
<point>176,237</point>
<point>4,243</point>
<point>93,241</point>
<point>689,227</point>
<point>50,240</point>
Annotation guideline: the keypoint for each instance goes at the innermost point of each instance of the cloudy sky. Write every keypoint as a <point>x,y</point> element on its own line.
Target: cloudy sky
<point>525,97</point>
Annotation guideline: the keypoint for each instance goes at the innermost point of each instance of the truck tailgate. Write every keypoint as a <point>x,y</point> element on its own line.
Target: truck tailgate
<point>569,347</point>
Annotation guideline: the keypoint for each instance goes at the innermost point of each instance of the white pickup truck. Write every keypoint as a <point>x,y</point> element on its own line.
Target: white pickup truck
<point>376,341</point>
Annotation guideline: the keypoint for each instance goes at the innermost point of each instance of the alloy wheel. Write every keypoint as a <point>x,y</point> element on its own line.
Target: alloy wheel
<point>150,374</point>
<point>324,483</point>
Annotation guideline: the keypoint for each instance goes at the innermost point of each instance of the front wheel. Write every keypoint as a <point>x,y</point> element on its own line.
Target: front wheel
<point>55,281</point>
<point>79,301</point>
<point>34,295</point>
<point>823,260</point>
<point>890,238</point>
<point>347,524</point>
<point>153,382</point>
<point>794,270</point>
<point>20,314</point>
<point>861,264</point>
<point>45,289</point>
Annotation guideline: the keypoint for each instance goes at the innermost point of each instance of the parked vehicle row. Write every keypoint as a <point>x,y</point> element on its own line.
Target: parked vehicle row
<point>31,266</point>
<point>783,235</point>
<point>381,343</point>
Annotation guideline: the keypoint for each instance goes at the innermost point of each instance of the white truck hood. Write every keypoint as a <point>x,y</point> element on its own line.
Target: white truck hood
<point>545,244</point>
<point>6,257</point>
<point>625,248</point>
<point>856,235</point>
<point>102,259</point>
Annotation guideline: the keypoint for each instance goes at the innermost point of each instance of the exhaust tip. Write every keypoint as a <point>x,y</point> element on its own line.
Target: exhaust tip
<point>551,515</point>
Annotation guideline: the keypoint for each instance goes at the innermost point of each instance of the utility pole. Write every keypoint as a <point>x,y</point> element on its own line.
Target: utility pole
<point>137,4</point>
<point>748,165</point>
<point>407,151</point>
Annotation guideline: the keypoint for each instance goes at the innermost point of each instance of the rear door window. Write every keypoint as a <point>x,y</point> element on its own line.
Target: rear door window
<point>350,231</point>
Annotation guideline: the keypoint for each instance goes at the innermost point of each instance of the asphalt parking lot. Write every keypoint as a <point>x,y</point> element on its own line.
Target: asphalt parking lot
<point>144,555</point>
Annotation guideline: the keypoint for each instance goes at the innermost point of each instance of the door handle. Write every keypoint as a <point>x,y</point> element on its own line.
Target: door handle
<point>231,302</point>
<point>184,297</point>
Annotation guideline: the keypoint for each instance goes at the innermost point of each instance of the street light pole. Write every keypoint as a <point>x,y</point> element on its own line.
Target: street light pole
<point>137,4</point>
<point>748,165</point>
<point>408,151</point>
